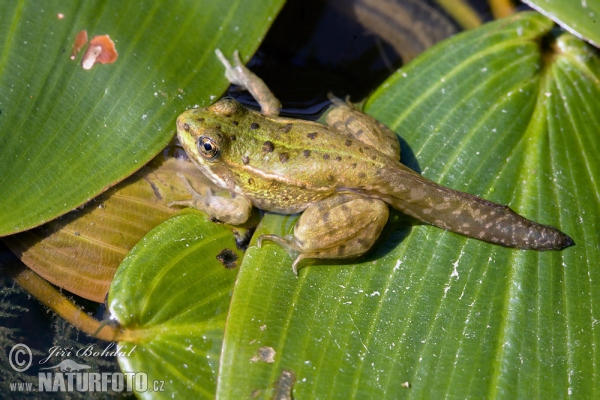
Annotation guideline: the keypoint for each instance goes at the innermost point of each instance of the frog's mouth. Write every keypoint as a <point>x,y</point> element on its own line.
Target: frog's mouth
<point>188,143</point>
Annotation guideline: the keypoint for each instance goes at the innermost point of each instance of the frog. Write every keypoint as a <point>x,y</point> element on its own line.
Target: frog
<point>341,175</point>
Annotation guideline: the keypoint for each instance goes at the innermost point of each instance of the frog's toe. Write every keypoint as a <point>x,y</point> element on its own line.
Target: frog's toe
<point>187,185</point>
<point>295,268</point>
<point>286,243</point>
<point>184,203</point>
<point>236,59</point>
<point>289,245</point>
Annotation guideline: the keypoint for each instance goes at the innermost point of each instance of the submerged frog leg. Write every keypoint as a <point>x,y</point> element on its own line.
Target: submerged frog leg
<point>344,117</point>
<point>340,226</point>
<point>240,75</point>
<point>230,210</point>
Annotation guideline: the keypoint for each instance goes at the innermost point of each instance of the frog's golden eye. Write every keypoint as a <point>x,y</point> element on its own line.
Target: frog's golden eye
<point>208,148</point>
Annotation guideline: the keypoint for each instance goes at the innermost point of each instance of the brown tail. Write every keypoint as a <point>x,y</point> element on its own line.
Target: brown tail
<point>464,213</point>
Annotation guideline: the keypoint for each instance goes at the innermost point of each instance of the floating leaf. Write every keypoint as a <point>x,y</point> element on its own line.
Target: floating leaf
<point>579,17</point>
<point>430,313</point>
<point>171,296</point>
<point>66,134</point>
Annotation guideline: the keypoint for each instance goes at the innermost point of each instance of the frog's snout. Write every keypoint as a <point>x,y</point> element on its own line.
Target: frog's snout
<point>179,124</point>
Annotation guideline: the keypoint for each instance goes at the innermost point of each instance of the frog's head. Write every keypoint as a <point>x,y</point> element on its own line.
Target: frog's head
<point>203,134</point>
<point>201,130</point>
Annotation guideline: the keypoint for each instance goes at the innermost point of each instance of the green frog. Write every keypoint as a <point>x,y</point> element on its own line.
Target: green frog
<point>341,175</point>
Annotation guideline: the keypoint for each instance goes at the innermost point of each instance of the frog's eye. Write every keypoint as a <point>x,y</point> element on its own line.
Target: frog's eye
<point>208,148</point>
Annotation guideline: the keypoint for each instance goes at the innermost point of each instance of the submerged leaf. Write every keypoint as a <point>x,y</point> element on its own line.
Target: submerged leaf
<point>81,251</point>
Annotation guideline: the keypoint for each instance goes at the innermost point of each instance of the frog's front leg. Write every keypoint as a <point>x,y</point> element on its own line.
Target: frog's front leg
<point>230,210</point>
<point>240,75</point>
<point>340,226</point>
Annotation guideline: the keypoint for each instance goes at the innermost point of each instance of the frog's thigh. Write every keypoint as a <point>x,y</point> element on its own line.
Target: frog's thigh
<point>340,226</point>
<point>364,128</point>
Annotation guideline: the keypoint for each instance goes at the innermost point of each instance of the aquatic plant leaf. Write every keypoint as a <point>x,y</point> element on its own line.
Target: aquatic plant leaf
<point>431,313</point>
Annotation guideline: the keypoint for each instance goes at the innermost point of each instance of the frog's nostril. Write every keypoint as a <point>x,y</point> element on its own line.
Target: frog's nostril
<point>181,125</point>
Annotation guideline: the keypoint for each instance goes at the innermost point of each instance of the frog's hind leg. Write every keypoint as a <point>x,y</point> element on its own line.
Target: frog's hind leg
<point>340,226</point>
<point>465,213</point>
<point>240,75</point>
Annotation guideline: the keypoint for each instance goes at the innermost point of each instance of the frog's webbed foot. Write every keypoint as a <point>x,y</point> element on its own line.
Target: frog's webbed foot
<point>230,210</point>
<point>191,190</point>
<point>240,75</point>
<point>289,245</point>
<point>336,101</point>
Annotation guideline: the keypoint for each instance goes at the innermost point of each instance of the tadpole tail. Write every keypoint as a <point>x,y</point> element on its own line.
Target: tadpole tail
<point>466,214</point>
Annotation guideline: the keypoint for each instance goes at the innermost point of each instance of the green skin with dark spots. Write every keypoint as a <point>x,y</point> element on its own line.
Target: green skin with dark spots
<point>289,165</point>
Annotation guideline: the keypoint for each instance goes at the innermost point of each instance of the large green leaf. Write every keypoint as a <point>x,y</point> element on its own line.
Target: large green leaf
<point>66,133</point>
<point>579,17</point>
<point>431,313</point>
<point>171,296</point>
